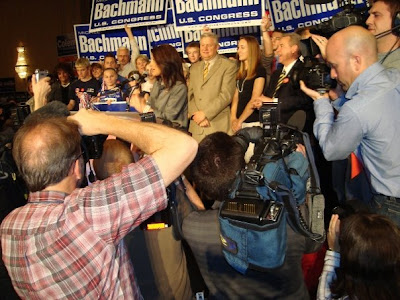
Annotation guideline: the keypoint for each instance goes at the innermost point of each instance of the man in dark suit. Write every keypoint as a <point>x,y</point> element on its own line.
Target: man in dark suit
<point>281,90</point>
<point>211,88</point>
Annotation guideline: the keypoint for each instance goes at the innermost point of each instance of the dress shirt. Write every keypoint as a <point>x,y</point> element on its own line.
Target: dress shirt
<point>367,124</point>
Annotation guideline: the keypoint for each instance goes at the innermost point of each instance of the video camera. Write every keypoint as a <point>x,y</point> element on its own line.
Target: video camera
<point>273,141</point>
<point>268,193</point>
<point>314,73</point>
<point>348,16</point>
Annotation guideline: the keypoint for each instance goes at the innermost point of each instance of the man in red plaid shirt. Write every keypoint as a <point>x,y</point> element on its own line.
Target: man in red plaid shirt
<point>68,242</point>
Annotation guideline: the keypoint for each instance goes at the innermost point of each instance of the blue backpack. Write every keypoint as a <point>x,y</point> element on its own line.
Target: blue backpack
<point>265,196</point>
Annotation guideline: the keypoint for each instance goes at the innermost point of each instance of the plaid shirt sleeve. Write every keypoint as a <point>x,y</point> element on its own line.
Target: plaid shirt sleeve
<point>332,261</point>
<point>120,203</point>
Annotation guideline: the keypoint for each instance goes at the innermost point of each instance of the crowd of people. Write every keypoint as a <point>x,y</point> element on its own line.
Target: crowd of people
<point>73,240</point>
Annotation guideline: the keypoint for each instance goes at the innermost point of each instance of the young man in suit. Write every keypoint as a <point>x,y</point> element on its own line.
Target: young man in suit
<point>211,88</point>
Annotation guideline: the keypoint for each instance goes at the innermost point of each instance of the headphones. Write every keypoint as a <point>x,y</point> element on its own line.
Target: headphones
<point>396,24</point>
<point>395,27</point>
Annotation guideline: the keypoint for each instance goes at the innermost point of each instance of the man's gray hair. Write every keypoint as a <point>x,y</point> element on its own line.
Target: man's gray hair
<point>210,35</point>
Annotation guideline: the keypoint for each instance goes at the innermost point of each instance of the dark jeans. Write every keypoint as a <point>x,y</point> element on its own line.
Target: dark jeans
<point>387,206</point>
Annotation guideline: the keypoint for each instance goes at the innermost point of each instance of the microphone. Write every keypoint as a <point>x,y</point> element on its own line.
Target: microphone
<point>139,78</point>
<point>385,33</point>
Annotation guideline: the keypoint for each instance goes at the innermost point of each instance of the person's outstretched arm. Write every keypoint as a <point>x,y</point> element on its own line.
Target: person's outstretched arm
<point>172,150</point>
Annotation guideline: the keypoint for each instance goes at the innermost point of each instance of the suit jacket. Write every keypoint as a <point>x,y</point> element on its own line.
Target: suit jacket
<point>291,98</point>
<point>212,96</point>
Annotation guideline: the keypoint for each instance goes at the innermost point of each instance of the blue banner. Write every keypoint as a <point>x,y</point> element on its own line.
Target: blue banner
<point>114,14</point>
<point>228,37</point>
<point>291,14</point>
<point>165,34</point>
<point>94,46</point>
<point>66,45</point>
<point>194,14</point>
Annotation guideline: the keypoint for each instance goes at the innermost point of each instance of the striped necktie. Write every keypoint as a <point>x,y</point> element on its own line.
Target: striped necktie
<point>279,83</point>
<point>205,71</point>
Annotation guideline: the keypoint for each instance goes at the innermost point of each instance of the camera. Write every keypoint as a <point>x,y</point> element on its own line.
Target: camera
<point>348,16</point>
<point>19,114</point>
<point>315,74</point>
<point>39,74</point>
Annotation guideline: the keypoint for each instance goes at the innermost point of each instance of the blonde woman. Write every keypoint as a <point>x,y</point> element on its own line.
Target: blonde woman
<point>250,81</point>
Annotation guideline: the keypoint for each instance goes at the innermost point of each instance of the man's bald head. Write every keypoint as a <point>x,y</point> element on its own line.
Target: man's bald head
<point>354,40</point>
<point>350,51</point>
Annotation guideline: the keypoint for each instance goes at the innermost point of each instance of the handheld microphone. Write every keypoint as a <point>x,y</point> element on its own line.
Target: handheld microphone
<point>139,78</point>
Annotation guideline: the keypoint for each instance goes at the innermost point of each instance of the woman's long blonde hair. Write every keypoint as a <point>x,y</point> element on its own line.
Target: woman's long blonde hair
<point>253,58</point>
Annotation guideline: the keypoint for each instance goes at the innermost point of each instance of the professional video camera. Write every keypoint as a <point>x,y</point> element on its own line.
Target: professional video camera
<point>348,16</point>
<point>315,74</point>
<point>268,192</point>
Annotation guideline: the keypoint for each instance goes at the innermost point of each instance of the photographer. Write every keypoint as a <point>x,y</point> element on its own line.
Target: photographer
<point>215,168</point>
<point>66,242</point>
<point>367,124</point>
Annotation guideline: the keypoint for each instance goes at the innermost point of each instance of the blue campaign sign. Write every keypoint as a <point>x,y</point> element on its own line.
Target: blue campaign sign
<point>114,14</point>
<point>165,34</point>
<point>228,37</point>
<point>94,46</point>
<point>194,14</point>
<point>291,14</point>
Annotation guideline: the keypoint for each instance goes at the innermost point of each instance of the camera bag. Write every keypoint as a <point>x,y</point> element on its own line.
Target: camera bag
<point>250,237</point>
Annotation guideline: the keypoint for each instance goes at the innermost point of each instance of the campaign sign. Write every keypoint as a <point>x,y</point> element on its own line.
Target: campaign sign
<point>228,37</point>
<point>94,46</point>
<point>291,14</point>
<point>114,14</point>
<point>66,45</point>
<point>194,14</point>
<point>165,34</point>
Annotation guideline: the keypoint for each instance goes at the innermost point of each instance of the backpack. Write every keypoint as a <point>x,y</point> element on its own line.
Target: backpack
<point>268,193</point>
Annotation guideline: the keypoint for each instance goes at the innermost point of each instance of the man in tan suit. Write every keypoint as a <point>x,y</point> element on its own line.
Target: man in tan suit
<point>211,89</point>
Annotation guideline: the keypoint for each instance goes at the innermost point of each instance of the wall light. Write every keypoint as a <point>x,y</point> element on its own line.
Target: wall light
<point>21,67</point>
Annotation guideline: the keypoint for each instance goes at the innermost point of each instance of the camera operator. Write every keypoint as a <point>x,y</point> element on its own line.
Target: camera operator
<point>367,123</point>
<point>66,242</point>
<point>218,161</point>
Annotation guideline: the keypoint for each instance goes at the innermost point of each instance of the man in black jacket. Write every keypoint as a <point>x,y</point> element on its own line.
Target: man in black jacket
<point>281,89</point>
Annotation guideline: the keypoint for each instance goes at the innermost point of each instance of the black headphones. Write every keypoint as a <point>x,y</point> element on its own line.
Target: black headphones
<point>396,24</point>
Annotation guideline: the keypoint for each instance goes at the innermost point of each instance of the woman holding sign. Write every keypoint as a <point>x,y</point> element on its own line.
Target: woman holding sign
<point>250,81</point>
<point>168,97</point>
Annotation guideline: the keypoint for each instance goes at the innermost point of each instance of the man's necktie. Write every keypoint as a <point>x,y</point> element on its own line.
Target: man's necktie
<point>205,71</point>
<point>279,83</point>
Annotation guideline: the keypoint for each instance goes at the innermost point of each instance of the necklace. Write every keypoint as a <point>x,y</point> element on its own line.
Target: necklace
<point>237,85</point>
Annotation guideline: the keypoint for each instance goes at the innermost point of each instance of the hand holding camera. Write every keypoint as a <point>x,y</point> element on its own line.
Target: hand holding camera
<point>40,87</point>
